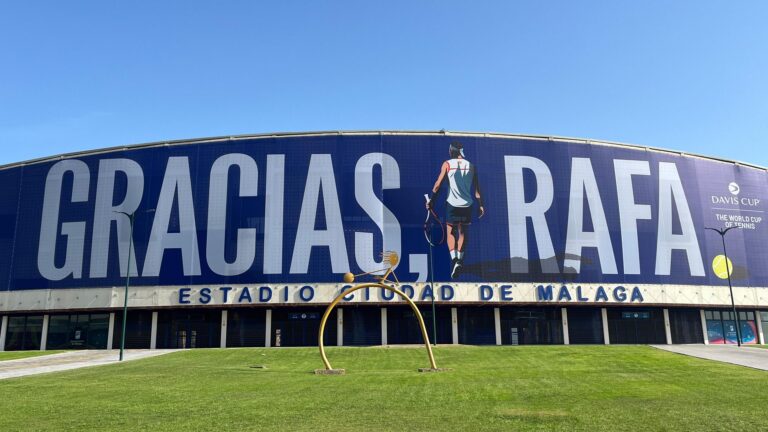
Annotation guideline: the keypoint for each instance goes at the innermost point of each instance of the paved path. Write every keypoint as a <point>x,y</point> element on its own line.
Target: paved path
<point>756,358</point>
<point>69,360</point>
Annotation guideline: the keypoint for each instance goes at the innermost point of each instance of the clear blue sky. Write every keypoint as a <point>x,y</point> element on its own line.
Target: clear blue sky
<point>686,75</point>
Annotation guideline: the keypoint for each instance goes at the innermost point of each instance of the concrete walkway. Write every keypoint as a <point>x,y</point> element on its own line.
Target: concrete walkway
<point>70,360</point>
<point>756,358</point>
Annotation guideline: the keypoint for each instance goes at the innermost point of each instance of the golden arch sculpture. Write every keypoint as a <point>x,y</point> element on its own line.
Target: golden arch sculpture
<point>392,259</point>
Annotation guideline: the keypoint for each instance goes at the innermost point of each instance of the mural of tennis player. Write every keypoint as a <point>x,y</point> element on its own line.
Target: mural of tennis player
<point>463,193</point>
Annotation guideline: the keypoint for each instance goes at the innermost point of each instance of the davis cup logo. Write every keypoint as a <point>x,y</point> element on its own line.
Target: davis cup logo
<point>733,188</point>
<point>735,199</point>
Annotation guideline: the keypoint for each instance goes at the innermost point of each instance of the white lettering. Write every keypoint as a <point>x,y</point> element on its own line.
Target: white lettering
<point>518,211</point>
<point>584,185</point>
<point>106,212</point>
<point>177,186</point>
<point>74,231</point>
<point>217,215</point>
<point>378,212</point>
<point>671,190</point>
<point>629,211</point>
<point>320,177</point>
<point>273,217</point>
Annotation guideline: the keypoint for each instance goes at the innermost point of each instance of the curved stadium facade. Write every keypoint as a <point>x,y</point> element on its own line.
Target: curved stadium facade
<point>243,241</point>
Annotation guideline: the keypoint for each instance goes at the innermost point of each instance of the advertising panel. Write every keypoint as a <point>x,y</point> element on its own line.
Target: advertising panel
<point>306,209</point>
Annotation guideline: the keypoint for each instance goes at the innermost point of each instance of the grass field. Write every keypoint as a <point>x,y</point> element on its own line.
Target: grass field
<point>13,355</point>
<point>599,388</point>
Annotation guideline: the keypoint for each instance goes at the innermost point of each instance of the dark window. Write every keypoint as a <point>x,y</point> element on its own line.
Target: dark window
<point>24,332</point>
<point>585,326</point>
<point>476,326</point>
<point>746,315</point>
<point>78,331</point>
<point>531,326</point>
<point>403,326</point>
<point>362,326</point>
<point>246,327</point>
<point>138,329</point>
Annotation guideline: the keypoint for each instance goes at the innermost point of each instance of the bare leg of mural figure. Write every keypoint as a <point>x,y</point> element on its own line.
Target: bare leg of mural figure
<point>451,238</point>
<point>463,241</point>
<point>456,242</point>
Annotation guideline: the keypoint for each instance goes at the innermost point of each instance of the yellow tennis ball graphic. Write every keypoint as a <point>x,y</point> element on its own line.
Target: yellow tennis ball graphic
<point>719,266</point>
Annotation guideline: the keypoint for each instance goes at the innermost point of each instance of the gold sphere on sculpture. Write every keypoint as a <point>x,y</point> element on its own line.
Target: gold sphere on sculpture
<point>392,258</point>
<point>349,277</point>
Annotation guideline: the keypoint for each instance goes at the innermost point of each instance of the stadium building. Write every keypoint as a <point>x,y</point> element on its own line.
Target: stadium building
<point>243,241</point>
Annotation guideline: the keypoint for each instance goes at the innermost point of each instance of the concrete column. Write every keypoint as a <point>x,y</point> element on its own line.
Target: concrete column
<point>111,330</point>
<point>704,326</point>
<point>3,332</point>
<point>44,336</point>
<point>759,323</point>
<point>566,336</point>
<point>606,333</point>
<point>224,316</point>
<point>339,327</point>
<point>384,340</point>
<point>497,324</point>
<point>268,329</point>
<point>455,325</point>
<point>667,328</point>
<point>153,332</point>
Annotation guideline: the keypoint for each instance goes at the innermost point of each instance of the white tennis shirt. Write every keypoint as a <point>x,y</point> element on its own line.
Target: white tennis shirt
<point>460,176</point>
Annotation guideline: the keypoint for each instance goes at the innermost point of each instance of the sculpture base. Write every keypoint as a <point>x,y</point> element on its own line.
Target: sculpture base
<point>330,371</point>
<point>434,369</point>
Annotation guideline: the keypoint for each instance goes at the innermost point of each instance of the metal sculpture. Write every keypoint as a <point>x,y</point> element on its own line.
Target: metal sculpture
<point>392,259</point>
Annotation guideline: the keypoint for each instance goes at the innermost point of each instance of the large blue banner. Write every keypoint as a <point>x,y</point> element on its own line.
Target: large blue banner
<point>306,209</point>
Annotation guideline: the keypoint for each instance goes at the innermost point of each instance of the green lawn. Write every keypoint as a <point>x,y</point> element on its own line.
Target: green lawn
<point>13,355</point>
<point>566,388</point>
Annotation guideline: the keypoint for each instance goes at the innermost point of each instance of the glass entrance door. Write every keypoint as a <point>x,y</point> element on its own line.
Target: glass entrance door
<point>193,329</point>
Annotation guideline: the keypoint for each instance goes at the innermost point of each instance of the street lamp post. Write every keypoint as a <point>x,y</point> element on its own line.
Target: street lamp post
<point>722,233</point>
<point>428,234</point>
<point>434,291</point>
<point>131,218</point>
<point>127,282</point>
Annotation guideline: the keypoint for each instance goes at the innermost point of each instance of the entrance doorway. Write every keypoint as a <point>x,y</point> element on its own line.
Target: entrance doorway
<point>636,326</point>
<point>685,326</point>
<point>585,325</point>
<point>189,329</point>
<point>299,327</point>
<point>531,326</point>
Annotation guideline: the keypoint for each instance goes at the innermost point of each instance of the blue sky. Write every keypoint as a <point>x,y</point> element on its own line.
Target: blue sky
<point>691,76</point>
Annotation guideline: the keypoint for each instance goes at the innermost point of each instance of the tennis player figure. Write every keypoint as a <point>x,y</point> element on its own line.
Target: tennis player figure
<point>462,182</point>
